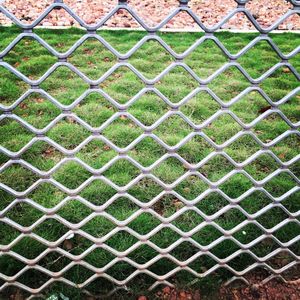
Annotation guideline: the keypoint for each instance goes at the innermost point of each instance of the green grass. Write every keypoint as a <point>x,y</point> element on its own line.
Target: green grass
<point>151,59</point>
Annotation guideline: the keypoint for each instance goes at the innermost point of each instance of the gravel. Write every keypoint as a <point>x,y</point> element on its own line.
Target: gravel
<point>210,12</point>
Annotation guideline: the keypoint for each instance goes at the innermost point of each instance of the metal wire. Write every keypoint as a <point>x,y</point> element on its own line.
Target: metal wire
<point>66,111</point>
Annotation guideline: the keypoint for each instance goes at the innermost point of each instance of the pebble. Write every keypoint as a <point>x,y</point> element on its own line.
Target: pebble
<point>266,12</point>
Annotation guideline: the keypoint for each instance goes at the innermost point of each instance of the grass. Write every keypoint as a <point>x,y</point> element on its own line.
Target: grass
<point>151,59</point>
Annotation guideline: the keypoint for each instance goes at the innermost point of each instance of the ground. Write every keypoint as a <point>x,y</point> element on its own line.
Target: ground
<point>93,60</point>
<point>210,12</point>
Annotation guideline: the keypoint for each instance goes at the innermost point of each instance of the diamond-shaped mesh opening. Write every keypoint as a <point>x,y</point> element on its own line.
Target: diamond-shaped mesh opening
<point>6,199</point>
<point>202,264</point>
<point>100,286</point>
<point>7,233</point>
<point>264,247</point>
<point>206,235</point>
<point>231,219</point>
<point>51,230</point>
<point>122,208</point>
<point>291,202</point>
<point>99,258</point>
<point>47,195</point>
<point>78,274</point>
<point>280,260</point>
<point>191,187</point>
<point>29,248</point>
<point>279,84</point>
<point>271,127</point>
<point>233,42</point>
<point>96,154</point>
<point>122,131</point>
<point>295,248</point>
<point>54,261</point>
<point>225,249</point>
<point>18,177</point>
<point>250,106</point>
<point>229,128</point>
<point>280,184</point>
<point>144,223</point>
<point>121,270</point>
<point>229,84</point>
<point>241,262</point>
<point>242,148</point>
<point>37,110</point>
<point>255,202</point>
<point>148,108</point>
<point>75,244</point>
<point>98,227</point>
<point>167,205</point>
<point>212,171</point>
<point>162,266</point>
<point>42,156</point>
<point>201,107</point>
<point>184,251</point>
<point>122,85</point>
<point>286,48</point>
<point>30,58</point>
<point>122,172</point>
<point>74,211</point>
<point>210,13</point>
<point>11,87</point>
<point>91,13</point>
<point>143,254</point>
<point>60,84</point>
<point>123,19</point>
<point>262,167</point>
<point>248,233</point>
<point>169,170</point>
<point>180,41</point>
<point>94,109</point>
<point>7,36</point>
<point>57,38</point>
<point>212,203</point>
<point>287,148</point>
<point>3,159</point>
<point>195,149</point>
<point>206,65</point>
<point>272,217</point>
<point>92,58</point>
<point>98,192</point>
<point>143,59</point>
<point>147,151</point>
<point>121,40</point>
<point>121,241</point>
<point>259,59</point>
<point>10,266</point>
<point>168,130</point>
<point>24,214</point>
<point>71,175</point>
<point>28,278</point>
<point>165,237</point>
<point>188,221</point>
<point>145,189</point>
<point>13,135</point>
<point>68,133</point>
<point>186,84</point>
<point>287,232</point>
<point>236,185</point>
<point>291,108</point>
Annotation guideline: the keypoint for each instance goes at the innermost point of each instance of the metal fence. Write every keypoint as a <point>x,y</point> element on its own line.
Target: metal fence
<point>14,157</point>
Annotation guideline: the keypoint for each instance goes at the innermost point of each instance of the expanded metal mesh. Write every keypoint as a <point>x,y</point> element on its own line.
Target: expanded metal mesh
<point>191,169</point>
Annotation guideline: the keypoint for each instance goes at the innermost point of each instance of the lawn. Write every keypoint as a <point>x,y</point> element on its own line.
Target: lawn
<point>186,203</point>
